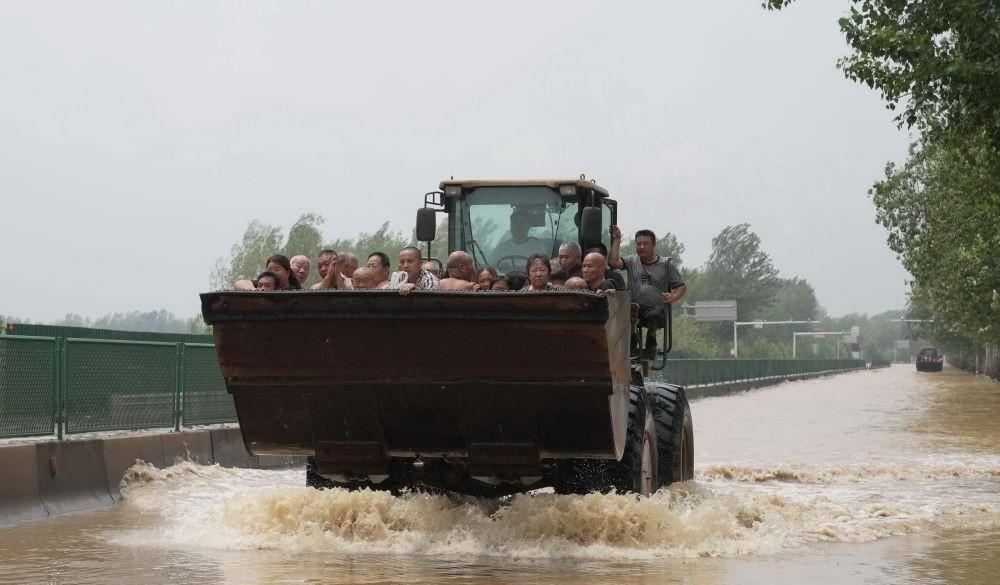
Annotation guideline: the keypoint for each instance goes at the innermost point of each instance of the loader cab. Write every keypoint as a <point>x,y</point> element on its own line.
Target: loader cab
<point>501,223</point>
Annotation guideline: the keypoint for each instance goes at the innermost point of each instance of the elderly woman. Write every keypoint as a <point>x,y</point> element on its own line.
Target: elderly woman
<point>539,272</point>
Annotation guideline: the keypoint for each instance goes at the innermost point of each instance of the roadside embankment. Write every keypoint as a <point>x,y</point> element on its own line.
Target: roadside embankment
<point>55,477</point>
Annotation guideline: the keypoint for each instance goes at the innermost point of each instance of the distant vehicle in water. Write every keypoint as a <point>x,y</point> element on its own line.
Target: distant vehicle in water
<point>928,360</point>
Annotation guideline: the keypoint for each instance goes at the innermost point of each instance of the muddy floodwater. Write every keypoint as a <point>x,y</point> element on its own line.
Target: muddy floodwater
<point>887,476</point>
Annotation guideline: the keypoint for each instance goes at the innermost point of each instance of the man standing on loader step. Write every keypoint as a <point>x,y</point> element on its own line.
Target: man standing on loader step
<point>654,282</point>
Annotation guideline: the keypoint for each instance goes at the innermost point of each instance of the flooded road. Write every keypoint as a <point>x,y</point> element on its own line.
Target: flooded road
<point>887,476</point>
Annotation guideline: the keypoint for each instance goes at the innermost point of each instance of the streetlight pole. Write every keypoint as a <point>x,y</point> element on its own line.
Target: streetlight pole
<point>760,325</point>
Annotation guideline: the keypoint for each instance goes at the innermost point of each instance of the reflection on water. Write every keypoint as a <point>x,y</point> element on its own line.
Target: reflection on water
<point>961,413</point>
<point>874,477</point>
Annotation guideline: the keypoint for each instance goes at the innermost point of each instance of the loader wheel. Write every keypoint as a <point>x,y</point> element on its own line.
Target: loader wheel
<point>637,470</point>
<point>314,479</point>
<point>674,432</point>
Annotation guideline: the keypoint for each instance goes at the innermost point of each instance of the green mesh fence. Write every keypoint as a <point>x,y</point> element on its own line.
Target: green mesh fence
<point>95,333</point>
<point>205,399</point>
<point>102,384</point>
<point>27,386</point>
<point>708,372</point>
<point>115,385</point>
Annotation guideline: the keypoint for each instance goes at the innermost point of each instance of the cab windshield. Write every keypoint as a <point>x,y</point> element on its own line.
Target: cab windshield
<point>503,226</point>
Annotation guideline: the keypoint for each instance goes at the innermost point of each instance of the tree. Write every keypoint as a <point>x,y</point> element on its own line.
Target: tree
<point>304,237</point>
<point>738,269</point>
<point>384,239</point>
<point>794,299</point>
<point>942,210</point>
<point>936,59</point>
<point>247,257</point>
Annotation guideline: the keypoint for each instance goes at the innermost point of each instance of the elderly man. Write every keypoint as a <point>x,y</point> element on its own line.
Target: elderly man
<point>569,259</point>
<point>349,264</point>
<point>609,273</point>
<point>380,265</point>
<point>593,273</point>
<point>323,262</point>
<point>364,279</point>
<point>300,268</point>
<point>431,267</point>
<point>411,275</point>
<point>654,282</point>
<point>576,283</point>
<point>461,272</point>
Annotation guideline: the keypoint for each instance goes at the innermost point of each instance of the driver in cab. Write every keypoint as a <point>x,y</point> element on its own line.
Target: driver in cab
<point>513,251</point>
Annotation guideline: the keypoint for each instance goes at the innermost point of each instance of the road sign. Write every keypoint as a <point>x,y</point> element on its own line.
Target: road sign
<point>715,311</point>
<point>855,331</point>
<point>902,344</point>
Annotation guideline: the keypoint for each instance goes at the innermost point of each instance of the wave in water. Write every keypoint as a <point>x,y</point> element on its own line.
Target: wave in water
<point>217,508</point>
<point>854,473</point>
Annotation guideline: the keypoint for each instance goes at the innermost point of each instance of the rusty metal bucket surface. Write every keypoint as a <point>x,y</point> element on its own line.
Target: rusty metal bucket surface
<point>358,376</point>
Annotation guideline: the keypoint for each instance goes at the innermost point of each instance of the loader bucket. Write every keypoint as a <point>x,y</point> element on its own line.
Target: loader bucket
<point>499,380</point>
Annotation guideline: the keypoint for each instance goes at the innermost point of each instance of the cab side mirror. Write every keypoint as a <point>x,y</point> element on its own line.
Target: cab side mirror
<point>426,224</point>
<point>590,227</point>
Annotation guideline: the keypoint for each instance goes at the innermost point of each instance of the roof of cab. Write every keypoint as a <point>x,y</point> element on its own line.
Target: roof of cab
<point>551,183</point>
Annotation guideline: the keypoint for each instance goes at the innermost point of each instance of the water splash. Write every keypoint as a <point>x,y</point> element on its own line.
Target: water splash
<point>218,508</point>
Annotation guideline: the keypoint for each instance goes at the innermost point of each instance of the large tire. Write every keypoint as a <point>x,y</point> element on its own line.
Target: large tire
<point>637,470</point>
<point>674,432</point>
<point>314,479</point>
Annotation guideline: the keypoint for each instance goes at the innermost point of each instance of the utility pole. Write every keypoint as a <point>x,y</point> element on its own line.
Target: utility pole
<point>760,325</point>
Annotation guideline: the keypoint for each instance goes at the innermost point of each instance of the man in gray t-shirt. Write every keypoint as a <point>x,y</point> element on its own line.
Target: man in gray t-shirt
<point>653,281</point>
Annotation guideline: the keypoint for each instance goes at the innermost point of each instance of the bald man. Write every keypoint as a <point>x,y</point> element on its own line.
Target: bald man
<point>461,272</point>
<point>300,268</point>
<point>594,266</point>
<point>365,279</point>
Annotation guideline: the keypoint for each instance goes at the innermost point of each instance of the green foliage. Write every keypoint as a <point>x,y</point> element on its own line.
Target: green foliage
<point>794,299</point>
<point>384,239</point>
<point>161,321</point>
<point>304,237</point>
<point>739,269</point>
<point>692,340</point>
<point>247,257</point>
<point>937,60</point>
<point>942,210</point>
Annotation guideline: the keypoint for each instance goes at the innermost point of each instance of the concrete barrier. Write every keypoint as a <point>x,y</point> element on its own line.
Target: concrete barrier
<point>280,461</point>
<point>120,453</point>
<point>193,445</point>
<point>727,388</point>
<point>54,477</point>
<point>228,449</point>
<point>19,498</point>
<point>72,476</point>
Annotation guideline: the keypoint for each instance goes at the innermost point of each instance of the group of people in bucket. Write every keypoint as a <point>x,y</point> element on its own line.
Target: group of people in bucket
<point>653,281</point>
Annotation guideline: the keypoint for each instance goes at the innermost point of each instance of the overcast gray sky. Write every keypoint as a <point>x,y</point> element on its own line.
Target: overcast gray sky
<point>137,139</point>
